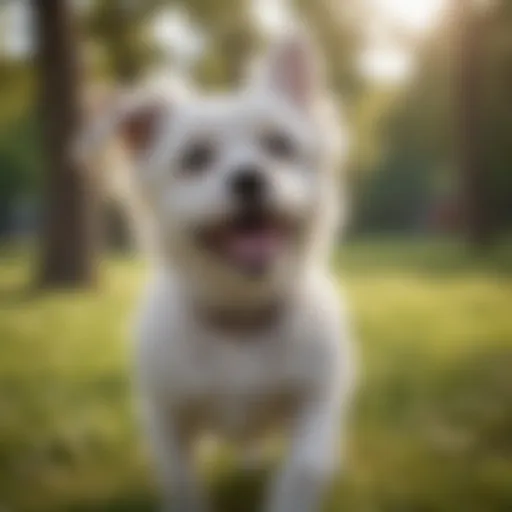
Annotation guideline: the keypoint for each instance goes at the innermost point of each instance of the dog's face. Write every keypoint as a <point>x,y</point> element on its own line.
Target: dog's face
<point>237,180</point>
<point>237,183</point>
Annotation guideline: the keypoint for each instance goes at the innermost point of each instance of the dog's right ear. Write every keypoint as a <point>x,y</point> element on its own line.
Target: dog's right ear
<point>293,69</point>
<point>131,118</point>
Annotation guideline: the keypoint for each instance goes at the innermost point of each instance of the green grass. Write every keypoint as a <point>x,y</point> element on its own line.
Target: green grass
<point>432,430</point>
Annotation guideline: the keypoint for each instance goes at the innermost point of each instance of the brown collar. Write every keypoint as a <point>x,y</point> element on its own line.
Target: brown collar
<point>239,321</point>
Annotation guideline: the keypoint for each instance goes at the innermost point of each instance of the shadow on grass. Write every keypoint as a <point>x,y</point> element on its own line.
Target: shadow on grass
<point>16,296</point>
<point>127,502</point>
<point>230,492</point>
<point>240,491</point>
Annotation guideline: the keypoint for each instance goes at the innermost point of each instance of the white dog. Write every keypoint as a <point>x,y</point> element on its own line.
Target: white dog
<point>241,328</point>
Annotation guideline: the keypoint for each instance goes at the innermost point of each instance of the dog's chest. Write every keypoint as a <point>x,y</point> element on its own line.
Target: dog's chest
<point>246,385</point>
<point>240,382</point>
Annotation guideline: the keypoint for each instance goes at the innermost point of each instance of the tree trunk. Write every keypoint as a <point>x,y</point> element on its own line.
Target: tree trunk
<point>476,203</point>
<point>69,237</point>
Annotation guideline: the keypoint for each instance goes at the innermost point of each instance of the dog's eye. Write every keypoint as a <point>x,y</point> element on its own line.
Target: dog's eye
<point>279,145</point>
<point>197,157</point>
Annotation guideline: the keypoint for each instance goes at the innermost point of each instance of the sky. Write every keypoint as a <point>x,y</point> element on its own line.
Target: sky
<point>417,15</point>
<point>383,59</point>
<point>15,31</point>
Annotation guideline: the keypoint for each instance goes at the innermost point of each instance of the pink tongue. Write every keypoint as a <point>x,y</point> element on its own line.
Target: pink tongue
<point>256,248</point>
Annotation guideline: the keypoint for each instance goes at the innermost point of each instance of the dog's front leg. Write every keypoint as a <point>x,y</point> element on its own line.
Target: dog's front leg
<point>312,456</point>
<point>175,472</point>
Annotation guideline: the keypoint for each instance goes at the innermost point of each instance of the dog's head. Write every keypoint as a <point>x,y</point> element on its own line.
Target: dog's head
<point>239,186</point>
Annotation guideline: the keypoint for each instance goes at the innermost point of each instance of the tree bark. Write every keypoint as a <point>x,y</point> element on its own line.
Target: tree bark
<point>69,236</point>
<point>476,202</point>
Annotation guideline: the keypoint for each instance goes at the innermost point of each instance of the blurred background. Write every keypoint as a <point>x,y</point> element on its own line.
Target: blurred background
<point>426,87</point>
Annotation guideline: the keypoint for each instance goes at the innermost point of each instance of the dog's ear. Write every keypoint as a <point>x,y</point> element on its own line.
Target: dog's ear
<point>293,69</point>
<point>131,118</point>
<point>139,125</point>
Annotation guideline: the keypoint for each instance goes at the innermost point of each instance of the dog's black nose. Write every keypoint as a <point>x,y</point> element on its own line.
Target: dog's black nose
<point>248,184</point>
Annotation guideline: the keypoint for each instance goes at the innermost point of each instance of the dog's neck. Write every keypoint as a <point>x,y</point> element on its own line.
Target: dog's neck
<point>236,307</point>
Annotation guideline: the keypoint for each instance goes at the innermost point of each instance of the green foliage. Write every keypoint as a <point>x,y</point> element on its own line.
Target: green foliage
<point>121,31</point>
<point>338,29</point>
<point>232,38</point>
<point>19,151</point>
<point>417,137</point>
<point>431,430</point>
<point>415,134</point>
<point>497,114</point>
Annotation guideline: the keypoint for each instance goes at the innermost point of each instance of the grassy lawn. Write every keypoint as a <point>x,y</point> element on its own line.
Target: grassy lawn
<point>433,423</point>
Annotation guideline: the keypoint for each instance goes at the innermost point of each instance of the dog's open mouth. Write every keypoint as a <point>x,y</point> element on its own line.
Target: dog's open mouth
<point>250,241</point>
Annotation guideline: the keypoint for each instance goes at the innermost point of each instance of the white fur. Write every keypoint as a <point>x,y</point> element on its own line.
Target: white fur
<point>296,373</point>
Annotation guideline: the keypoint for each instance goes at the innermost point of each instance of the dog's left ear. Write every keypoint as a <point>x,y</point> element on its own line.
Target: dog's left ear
<point>130,117</point>
<point>293,69</point>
